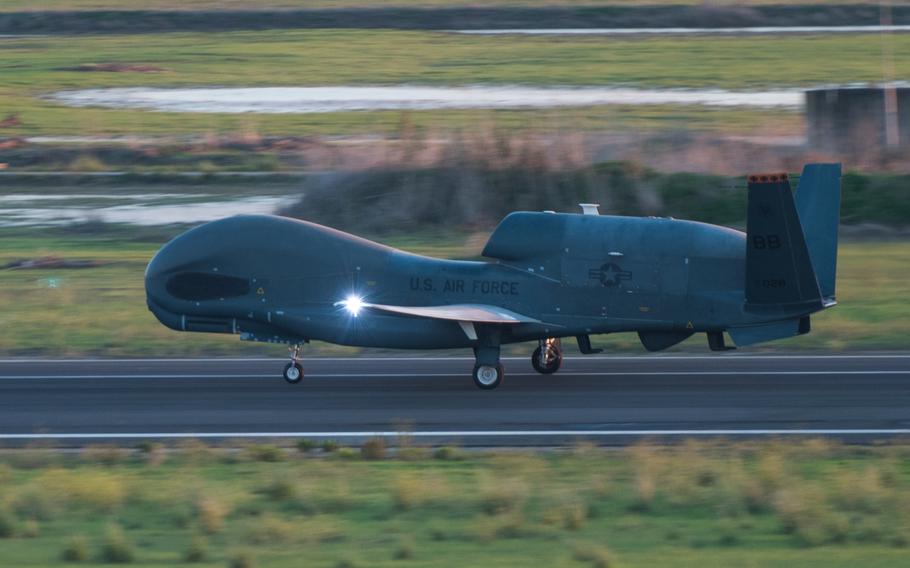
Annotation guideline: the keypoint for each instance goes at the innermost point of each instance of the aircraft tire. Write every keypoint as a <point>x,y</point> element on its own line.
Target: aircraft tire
<point>293,373</point>
<point>488,377</point>
<point>545,369</point>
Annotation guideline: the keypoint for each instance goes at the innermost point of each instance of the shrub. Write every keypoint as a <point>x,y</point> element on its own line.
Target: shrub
<point>329,446</point>
<point>804,512</point>
<point>446,453</point>
<point>334,498</point>
<point>280,489</point>
<point>346,453</point>
<point>862,491</point>
<point>645,491</point>
<point>211,514</point>
<point>574,516</point>
<point>408,491</point>
<point>154,453</point>
<point>31,528</point>
<point>198,549</point>
<point>727,532</point>
<point>647,463</point>
<point>271,529</point>
<point>597,556</point>
<point>405,549</point>
<point>194,452</point>
<point>115,548</point>
<point>305,445</point>
<point>6,473</point>
<point>264,453</point>
<point>242,560</point>
<point>104,454</point>
<point>35,502</point>
<point>347,562</point>
<point>488,529</point>
<point>438,532</point>
<point>502,495</point>
<point>7,524</point>
<point>87,163</point>
<point>97,490</point>
<point>75,550</point>
<point>373,449</point>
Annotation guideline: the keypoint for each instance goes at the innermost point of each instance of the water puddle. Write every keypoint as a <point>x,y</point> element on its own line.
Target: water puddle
<point>33,210</point>
<point>346,98</point>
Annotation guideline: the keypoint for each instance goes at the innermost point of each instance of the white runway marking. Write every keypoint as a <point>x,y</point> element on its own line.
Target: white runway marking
<point>468,434</point>
<point>738,372</point>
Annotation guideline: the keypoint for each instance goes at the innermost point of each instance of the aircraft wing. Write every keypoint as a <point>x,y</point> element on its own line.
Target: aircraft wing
<point>465,314</point>
<point>475,313</point>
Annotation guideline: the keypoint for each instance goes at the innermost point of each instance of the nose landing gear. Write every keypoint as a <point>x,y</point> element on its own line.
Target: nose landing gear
<point>293,371</point>
<point>547,358</point>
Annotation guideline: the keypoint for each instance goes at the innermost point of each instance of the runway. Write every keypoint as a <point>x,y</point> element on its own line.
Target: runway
<point>610,400</point>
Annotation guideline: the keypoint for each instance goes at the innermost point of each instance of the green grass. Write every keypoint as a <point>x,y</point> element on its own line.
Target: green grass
<point>101,311</point>
<point>35,67</point>
<point>810,503</point>
<point>41,5</point>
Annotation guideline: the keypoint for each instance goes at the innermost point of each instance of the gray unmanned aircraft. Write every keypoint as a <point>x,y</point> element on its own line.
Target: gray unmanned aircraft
<point>550,276</point>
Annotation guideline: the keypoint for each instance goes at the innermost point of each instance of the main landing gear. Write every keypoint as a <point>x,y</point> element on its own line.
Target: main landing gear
<point>488,377</point>
<point>488,371</point>
<point>547,358</point>
<point>293,371</point>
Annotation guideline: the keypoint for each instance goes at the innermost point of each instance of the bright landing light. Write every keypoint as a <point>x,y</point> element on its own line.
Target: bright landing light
<point>353,304</point>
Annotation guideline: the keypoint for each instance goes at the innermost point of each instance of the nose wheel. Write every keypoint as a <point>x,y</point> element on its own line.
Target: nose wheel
<point>293,371</point>
<point>547,358</point>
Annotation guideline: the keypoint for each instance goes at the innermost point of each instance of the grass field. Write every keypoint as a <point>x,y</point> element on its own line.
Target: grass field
<point>39,5</point>
<point>101,311</point>
<point>35,67</point>
<point>811,503</point>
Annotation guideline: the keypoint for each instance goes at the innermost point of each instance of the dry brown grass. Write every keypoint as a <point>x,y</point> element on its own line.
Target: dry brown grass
<point>194,452</point>
<point>500,495</point>
<point>804,511</point>
<point>862,491</point>
<point>100,491</point>
<point>270,529</point>
<point>411,490</point>
<point>211,513</point>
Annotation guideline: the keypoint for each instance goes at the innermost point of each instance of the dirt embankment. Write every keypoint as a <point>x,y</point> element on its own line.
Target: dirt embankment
<point>124,21</point>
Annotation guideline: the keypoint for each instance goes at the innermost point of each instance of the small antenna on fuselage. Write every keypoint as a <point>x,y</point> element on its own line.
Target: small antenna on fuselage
<point>589,208</point>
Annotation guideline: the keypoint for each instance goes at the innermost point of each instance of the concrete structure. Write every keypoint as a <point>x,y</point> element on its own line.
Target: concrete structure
<point>857,122</point>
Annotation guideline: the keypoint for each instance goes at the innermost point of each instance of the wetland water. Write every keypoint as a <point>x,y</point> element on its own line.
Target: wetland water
<point>42,210</point>
<point>410,97</point>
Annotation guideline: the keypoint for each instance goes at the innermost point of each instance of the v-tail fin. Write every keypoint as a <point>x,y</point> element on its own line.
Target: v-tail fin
<point>779,272</point>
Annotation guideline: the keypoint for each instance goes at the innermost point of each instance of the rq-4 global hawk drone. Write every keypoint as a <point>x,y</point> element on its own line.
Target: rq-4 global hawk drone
<point>549,276</point>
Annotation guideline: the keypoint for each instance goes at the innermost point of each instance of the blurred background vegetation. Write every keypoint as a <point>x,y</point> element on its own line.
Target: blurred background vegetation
<point>430,181</point>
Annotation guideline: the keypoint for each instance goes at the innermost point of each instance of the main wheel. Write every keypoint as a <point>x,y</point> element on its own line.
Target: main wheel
<point>550,366</point>
<point>488,377</point>
<point>293,373</point>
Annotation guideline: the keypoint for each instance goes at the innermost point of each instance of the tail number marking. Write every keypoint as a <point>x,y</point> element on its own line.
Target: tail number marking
<point>762,242</point>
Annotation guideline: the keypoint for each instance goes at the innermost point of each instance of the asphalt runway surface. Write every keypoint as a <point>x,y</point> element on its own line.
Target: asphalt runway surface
<point>610,400</point>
